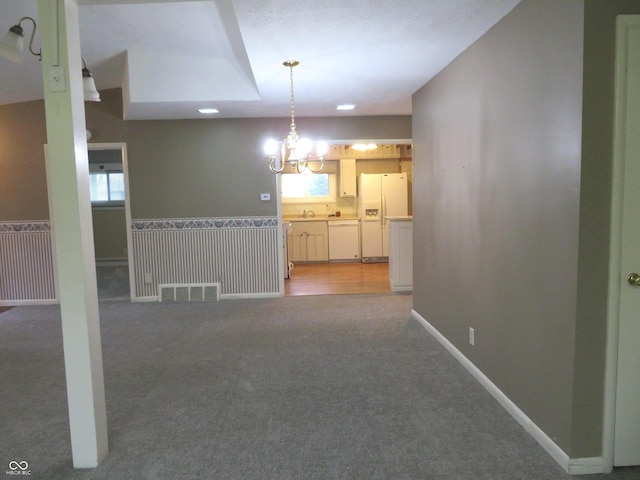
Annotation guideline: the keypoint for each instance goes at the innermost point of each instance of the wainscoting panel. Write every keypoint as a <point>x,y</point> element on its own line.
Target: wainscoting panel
<point>26,263</point>
<point>239,253</point>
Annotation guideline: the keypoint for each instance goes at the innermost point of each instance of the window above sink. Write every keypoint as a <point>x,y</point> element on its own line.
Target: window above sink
<point>308,188</point>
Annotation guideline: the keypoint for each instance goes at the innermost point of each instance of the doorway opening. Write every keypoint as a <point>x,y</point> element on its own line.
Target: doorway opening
<point>312,264</point>
<point>109,186</point>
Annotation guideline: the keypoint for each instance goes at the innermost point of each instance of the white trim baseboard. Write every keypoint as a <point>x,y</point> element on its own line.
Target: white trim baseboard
<point>111,262</point>
<point>149,299</point>
<point>574,466</point>
<point>23,303</point>
<point>236,296</point>
<point>587,466</point>
<point>225,296</point>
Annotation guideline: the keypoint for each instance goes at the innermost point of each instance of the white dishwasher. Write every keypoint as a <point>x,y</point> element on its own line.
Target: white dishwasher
<point>344,240</point>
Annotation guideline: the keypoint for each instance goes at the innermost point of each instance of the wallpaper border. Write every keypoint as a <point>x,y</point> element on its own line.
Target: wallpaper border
<point>217,223</point>
<point>27,226</point>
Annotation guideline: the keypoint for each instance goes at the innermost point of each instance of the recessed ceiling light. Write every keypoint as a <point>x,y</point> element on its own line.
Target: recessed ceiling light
<point>208,110</point>
<point>346,106</point>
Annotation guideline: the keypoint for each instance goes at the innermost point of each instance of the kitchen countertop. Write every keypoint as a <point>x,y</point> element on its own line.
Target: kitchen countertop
<point>318,218</point>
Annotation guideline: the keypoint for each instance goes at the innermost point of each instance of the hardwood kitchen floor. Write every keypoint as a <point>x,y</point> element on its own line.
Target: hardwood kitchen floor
<point>337,278</point>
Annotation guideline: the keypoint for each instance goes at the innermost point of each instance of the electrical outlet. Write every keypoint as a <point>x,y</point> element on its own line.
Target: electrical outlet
<point>56,79</point>
<point>472,336</point>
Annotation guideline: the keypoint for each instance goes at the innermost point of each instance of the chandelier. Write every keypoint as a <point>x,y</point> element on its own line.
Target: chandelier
<point>296,151</point>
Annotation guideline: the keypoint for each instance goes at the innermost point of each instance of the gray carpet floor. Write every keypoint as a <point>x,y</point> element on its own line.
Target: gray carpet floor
<point>319,387</point>
<point>113,282</point>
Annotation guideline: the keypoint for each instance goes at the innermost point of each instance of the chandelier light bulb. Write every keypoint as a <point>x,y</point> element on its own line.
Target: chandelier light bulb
<point>304,147</point>
<point>271,147</point>
<point>322,148</point>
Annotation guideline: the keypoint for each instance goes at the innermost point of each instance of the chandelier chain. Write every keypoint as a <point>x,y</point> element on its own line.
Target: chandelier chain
<point>293,118</point>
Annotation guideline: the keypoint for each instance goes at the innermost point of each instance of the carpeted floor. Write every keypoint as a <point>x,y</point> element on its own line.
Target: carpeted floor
<point>113,282</point>
<point>322,387</point>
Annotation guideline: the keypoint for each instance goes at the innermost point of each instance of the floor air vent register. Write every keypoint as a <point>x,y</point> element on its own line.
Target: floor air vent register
<point>189,292</point>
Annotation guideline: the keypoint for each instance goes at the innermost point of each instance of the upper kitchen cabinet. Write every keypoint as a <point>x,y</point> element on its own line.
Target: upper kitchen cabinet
<point>348,177</point>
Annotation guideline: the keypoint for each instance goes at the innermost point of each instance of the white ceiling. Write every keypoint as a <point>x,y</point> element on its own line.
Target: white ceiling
<point>175,57</point>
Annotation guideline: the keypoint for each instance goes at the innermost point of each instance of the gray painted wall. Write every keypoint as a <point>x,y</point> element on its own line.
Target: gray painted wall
<point>23,179</point>
<point>497,140</point>
<point>109,233</point>
<point>181,168</point>
<point>209,168</point>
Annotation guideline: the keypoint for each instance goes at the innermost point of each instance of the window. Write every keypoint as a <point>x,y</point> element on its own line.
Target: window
<point>106,187</point>
<point>310,188</point>
<point>106,176</point>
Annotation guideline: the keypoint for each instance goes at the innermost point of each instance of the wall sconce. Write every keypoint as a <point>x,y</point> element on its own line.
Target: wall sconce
<point>88,85</point>
<point>13,45</point>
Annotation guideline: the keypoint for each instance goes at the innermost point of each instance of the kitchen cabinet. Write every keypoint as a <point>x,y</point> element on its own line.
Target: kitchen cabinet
<point>309,242</point>
<point>348,178</point>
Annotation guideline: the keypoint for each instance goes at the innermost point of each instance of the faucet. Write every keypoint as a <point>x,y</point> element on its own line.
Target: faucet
<point>310,213</point>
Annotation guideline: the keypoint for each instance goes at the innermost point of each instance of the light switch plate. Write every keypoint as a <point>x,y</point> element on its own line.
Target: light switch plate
<point>265,197</point>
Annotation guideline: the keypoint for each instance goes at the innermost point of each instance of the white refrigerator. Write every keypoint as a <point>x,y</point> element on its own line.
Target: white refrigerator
<point>380,195</point>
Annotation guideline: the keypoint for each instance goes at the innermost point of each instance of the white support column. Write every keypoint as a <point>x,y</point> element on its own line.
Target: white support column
<point>68,177</point>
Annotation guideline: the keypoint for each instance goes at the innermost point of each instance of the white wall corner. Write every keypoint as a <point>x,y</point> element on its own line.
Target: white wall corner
<point>574,466</point>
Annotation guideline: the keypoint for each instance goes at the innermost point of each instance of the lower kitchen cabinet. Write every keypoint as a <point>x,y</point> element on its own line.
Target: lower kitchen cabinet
<point>401,254</point>
<point>309,242</point>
